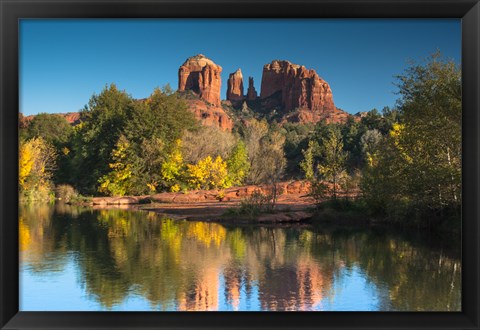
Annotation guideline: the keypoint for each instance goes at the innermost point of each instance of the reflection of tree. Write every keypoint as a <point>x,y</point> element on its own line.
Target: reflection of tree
<point>38,237</point>
<point>416,277</point>
<point>183,265</point>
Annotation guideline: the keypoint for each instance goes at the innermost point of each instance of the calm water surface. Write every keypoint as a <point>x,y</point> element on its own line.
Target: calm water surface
<point>80,259</point>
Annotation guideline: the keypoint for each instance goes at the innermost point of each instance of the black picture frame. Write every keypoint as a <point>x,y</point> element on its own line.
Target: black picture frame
<point>13,10</point>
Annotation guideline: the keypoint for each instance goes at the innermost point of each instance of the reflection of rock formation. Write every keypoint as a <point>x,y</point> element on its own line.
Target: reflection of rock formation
<point>300,286</point>
<point>278,289</point>
<point>202,295</point>
<point>233,283</point>
<point>313,281</point>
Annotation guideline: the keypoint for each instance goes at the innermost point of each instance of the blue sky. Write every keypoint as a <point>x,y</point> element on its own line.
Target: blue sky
<point>63,62</point>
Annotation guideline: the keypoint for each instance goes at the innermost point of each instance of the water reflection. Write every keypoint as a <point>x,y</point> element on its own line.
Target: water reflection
<point>131,260</point>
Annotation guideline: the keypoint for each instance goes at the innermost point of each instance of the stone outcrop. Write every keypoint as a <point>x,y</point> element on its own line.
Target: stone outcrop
<point>308,116</point>
<point>299,188</point>
<point>73,118</point>
<point>202,76</point>
<point>210,115</point>
<point>235,87</point>
<point>251,92</point>
<point>294,87</point>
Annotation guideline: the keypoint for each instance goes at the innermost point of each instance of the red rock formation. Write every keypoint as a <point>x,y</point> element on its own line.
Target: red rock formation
<point>308,116</point>
<point>72,118</point>
<point>251,92</point>
<point>235,87</point>
<point>295,87</point>
<point>209,115</point>
<point>202,76</point>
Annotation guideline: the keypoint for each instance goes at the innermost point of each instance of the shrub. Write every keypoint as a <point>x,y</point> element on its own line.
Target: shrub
<point>65,193</point>
<point>319,191</point>
<point>256,203</point>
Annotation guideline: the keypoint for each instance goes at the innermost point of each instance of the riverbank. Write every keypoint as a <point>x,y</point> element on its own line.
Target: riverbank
<point>293,203</point>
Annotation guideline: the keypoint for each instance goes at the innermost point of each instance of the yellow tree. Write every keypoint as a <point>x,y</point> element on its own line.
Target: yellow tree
<point>37,162</point>
<point>117,181</point>
<point>208,174</point>
<point>173,167</point>
<point>26,161</point>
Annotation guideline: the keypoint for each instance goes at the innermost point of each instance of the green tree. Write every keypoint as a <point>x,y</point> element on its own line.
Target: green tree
<point>102,123</point>
<point>369,144</point>
<point>238,164</point>
<point>147,159</point>
<point>255,131</point>
<point>296,139</point>
<point>53,128</point>
<point>308,164</point>
<point>418,167</point>
<point>431,107</point>
<point>274,162</point>
<point>352,132</point>
<point>265,148</point>
<point>162,115</point>
<point>332,166</point>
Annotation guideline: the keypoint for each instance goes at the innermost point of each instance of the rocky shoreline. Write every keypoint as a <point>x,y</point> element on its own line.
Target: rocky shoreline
<point>293,204</point>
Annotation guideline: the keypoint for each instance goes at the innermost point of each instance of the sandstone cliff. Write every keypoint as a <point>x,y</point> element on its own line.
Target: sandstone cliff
<point>209,115</point>
<point>235,87</point>
<point>287,87</point>
<point>72,118</point>
<point>202,76</point>
<point>251,92</point>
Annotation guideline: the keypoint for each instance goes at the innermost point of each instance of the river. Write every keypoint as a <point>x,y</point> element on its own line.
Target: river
<point>80,259</point>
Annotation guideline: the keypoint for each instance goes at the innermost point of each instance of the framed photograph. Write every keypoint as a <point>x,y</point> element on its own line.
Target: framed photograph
<point>239,164</point>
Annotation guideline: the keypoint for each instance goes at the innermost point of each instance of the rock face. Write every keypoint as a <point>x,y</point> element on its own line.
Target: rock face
<point>202,76</point>
<point>73,118</point>
<point>308,116</point>
<point>235,87</point>
<point>210,115</point>
<point>296,93</point>
<point>295,87</point>
<point>251,92</point>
